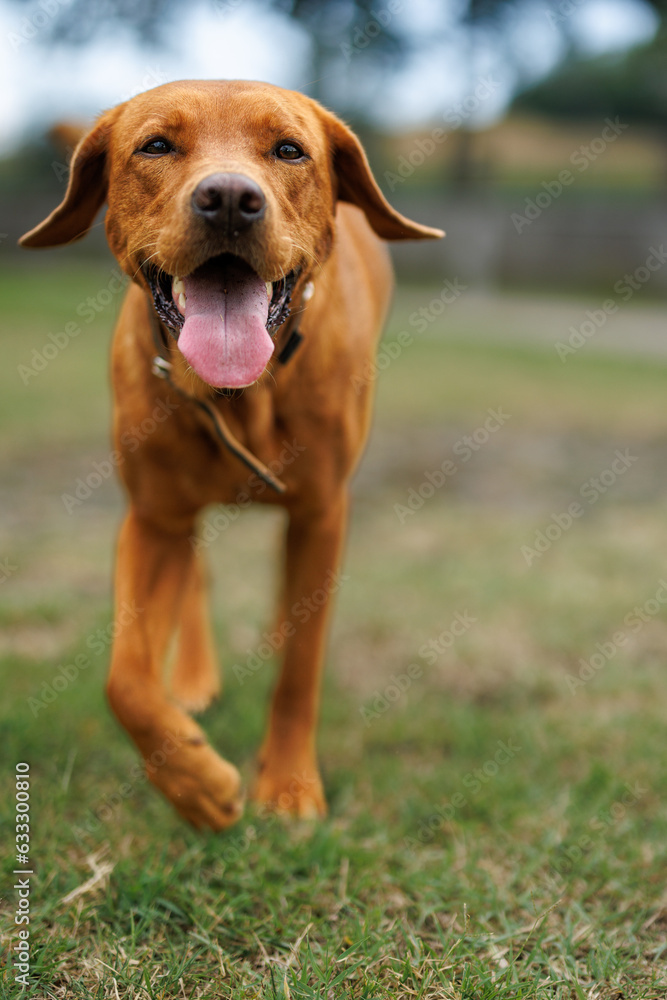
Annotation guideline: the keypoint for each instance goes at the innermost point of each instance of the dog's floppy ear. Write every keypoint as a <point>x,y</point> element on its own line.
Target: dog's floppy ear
<point>85,195</point>
<point>65,135</point>
<point>356,184</point>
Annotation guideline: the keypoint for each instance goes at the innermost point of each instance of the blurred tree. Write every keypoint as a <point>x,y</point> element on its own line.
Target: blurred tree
<point>632,85</point>
<point>355,44</point>
<point>486,24</point>
<point>339,30</point>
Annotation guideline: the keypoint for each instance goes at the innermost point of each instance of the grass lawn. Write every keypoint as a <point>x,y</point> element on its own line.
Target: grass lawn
<point>493,728</point>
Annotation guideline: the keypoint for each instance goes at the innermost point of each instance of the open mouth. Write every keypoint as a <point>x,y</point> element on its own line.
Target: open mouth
<point>223,316</point>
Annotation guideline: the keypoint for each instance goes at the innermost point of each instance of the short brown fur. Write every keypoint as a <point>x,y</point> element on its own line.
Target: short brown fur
<point>326,217</point>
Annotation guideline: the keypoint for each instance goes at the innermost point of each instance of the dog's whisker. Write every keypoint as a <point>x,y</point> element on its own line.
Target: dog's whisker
<point>144,261</point>
<point>308,253</point>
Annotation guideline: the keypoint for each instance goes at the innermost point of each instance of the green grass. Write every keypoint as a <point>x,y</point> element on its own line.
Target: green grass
<point>448,867</point>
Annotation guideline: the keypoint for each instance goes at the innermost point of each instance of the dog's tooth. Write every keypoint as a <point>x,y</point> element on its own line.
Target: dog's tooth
<point>181,301</point>
<point>308,290</point>
<point>269,289</point>
<point>178,286</point>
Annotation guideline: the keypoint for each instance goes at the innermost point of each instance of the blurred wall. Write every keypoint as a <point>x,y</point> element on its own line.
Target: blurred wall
<point>589,244</point>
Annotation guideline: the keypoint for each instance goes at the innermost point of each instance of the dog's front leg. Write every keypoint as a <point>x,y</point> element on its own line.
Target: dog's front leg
<point>153,565</point>
<point>289,779</point>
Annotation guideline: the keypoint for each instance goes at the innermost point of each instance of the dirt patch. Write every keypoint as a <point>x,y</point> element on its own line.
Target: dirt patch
<point>517,468</point>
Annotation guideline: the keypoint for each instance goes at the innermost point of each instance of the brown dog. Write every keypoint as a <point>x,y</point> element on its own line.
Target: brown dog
<point>230,204</point>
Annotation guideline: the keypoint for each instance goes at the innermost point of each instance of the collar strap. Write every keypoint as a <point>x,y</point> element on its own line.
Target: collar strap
<point>290,346</point>
<point>161,367</point>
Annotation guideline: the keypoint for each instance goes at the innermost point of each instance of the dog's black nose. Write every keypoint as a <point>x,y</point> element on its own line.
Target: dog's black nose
<point>229,201</point>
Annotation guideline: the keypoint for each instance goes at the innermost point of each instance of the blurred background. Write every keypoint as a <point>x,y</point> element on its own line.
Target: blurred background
<point>527,350</point>
<point>470,110</point>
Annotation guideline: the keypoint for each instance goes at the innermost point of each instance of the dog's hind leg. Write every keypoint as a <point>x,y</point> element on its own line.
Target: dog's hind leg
<point>195,680</point>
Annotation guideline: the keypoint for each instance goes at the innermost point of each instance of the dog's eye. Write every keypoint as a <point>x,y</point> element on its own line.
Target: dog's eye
<point>156,147</point>
<point>289,151</point>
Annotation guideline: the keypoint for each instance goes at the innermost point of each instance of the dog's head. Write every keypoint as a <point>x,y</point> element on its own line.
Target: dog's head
<point>222,199</point>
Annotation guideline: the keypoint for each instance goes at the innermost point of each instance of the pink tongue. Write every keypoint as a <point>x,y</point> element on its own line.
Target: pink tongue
<point>224,335</point>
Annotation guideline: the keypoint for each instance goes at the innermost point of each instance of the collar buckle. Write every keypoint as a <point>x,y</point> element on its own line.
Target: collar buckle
<point>161,367</point>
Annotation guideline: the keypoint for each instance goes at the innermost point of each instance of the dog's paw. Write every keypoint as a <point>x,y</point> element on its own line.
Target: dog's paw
<point>195,688</point>
<point>194,698</point>
<point>295,792</point>
<point>203,788</point>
